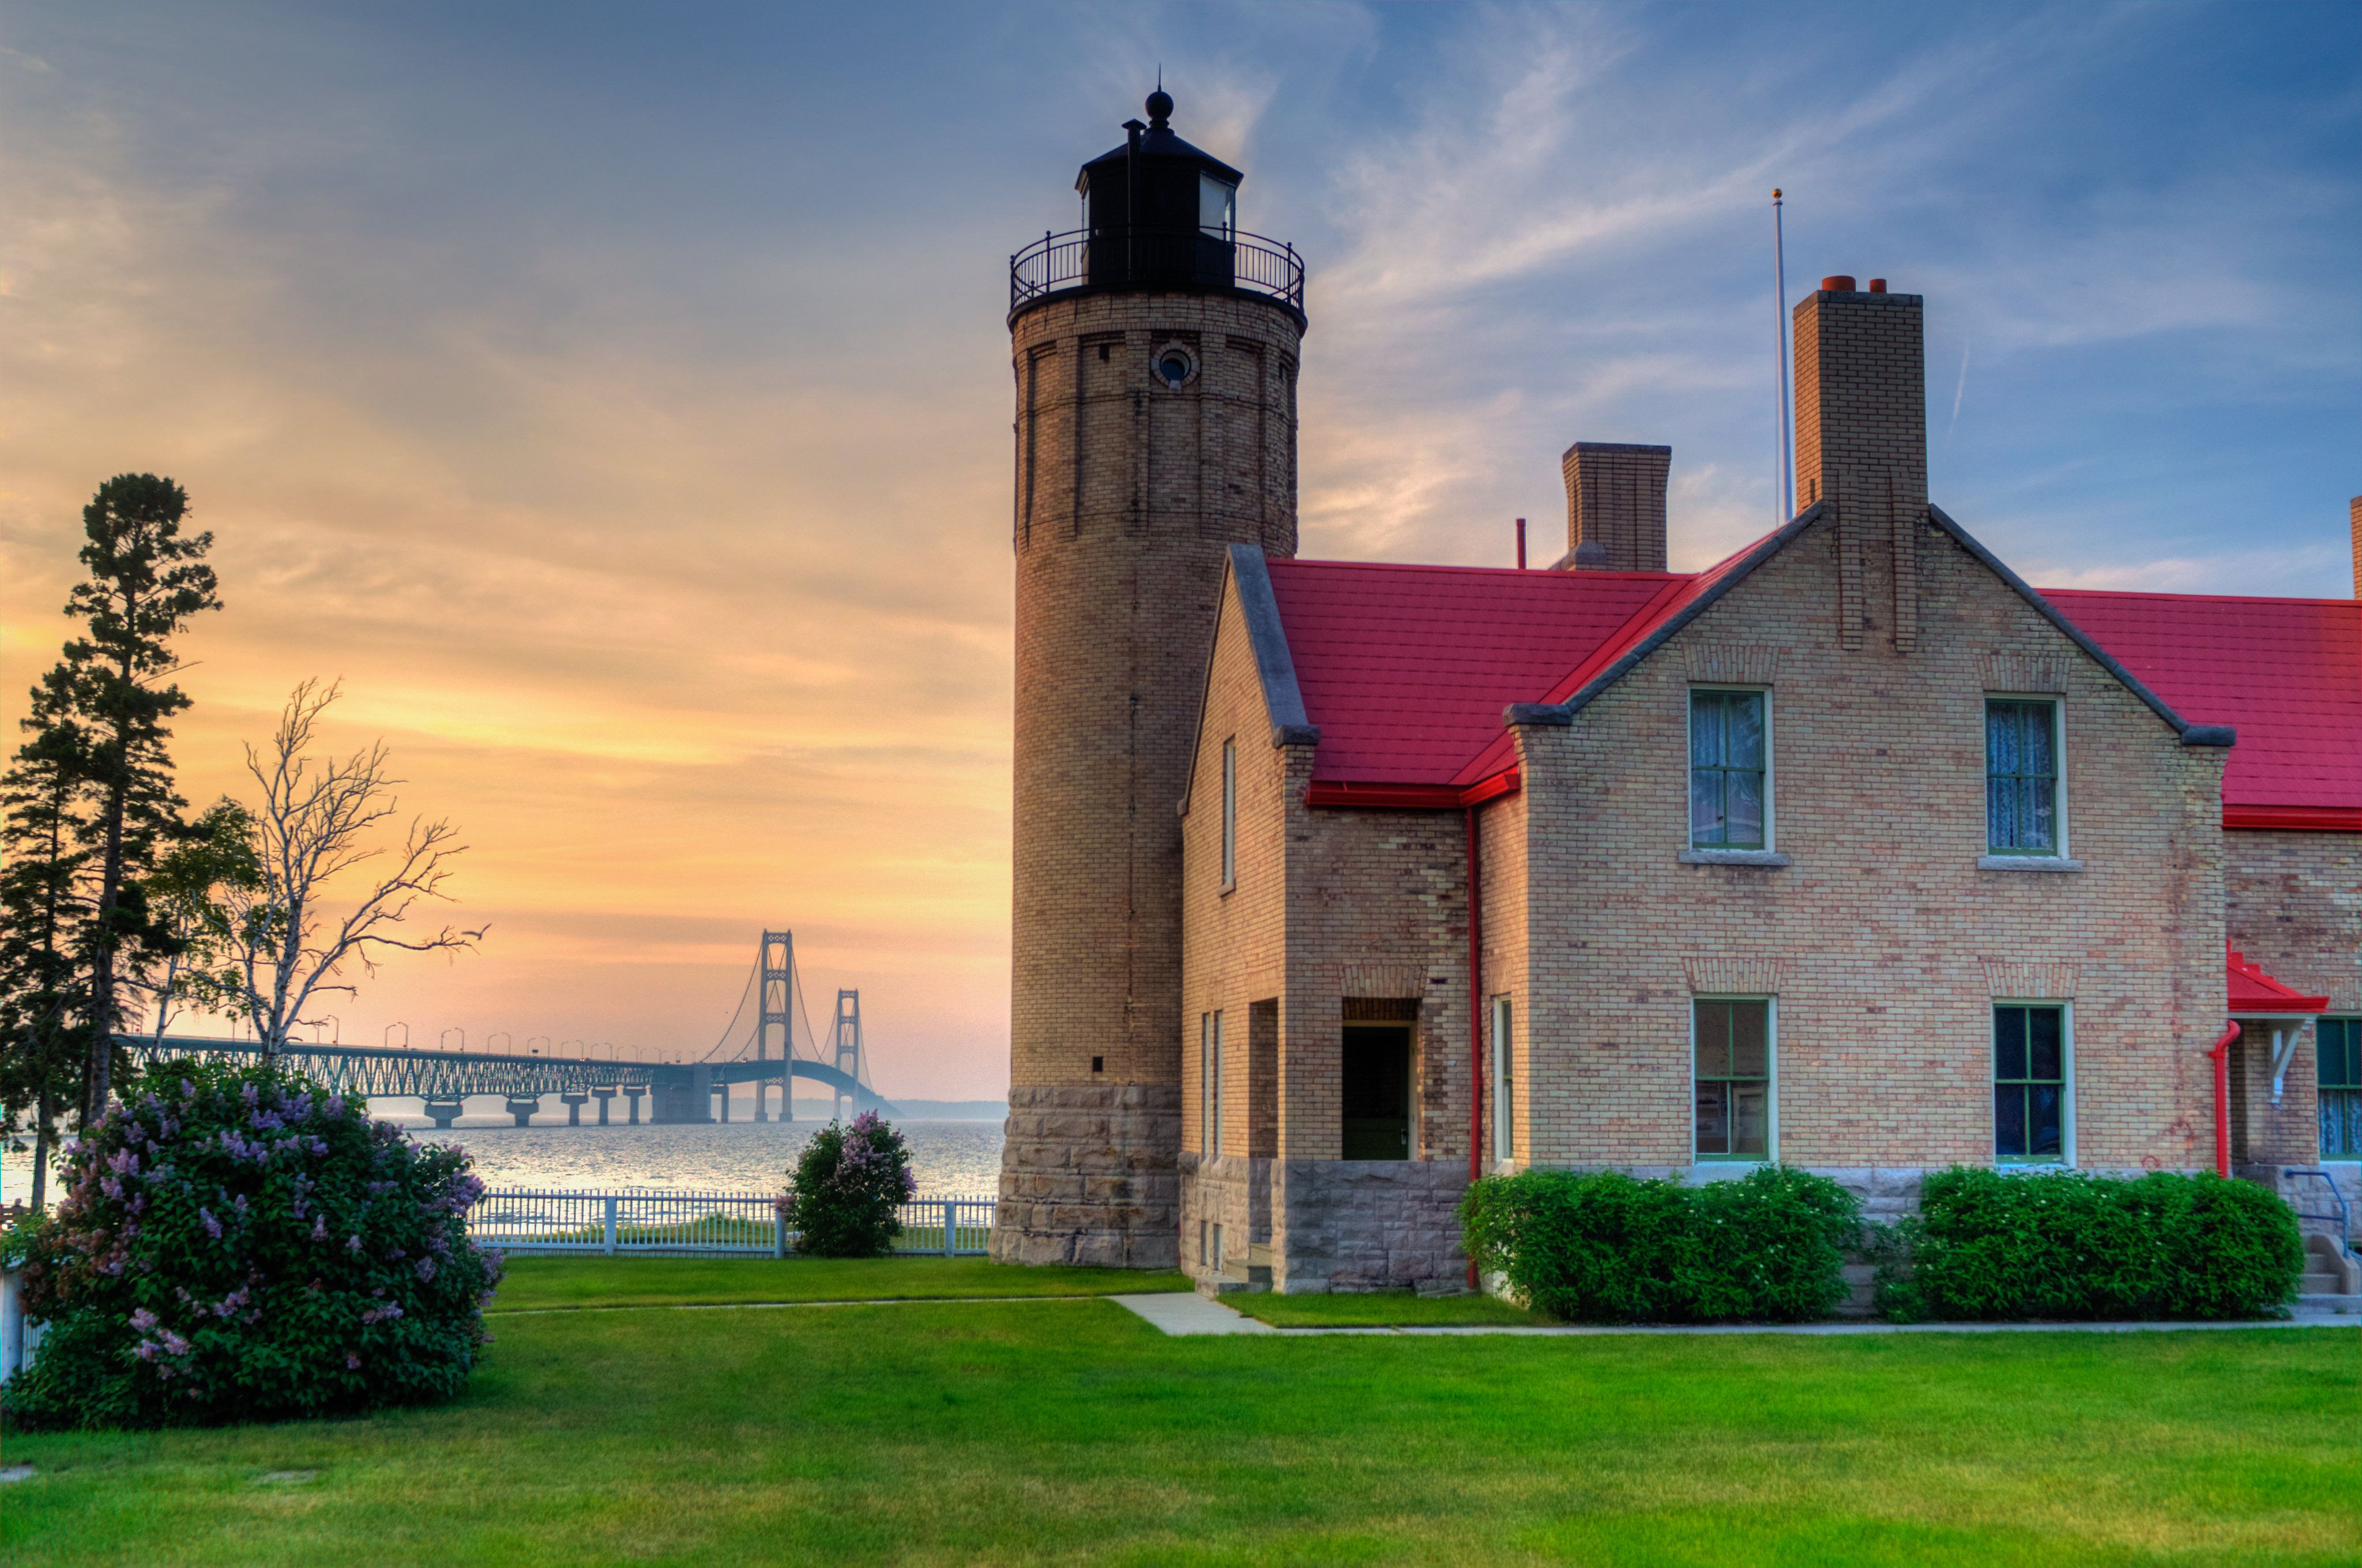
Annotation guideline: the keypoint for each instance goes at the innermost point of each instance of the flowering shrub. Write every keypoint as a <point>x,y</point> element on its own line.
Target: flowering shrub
<point>1604,1248</point>
<point>238,1244</point>
<point>847,1183</point>
<point>2062,1244</point>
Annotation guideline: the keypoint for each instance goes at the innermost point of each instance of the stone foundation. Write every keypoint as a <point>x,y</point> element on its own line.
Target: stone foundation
<point>1088,1177</point>
<point>1354,1225</point>
<point>1234,1192</point>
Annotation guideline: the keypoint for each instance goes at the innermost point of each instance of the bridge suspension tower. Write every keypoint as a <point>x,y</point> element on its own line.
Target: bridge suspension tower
<point>776,982</point>
<point>846,1043</point>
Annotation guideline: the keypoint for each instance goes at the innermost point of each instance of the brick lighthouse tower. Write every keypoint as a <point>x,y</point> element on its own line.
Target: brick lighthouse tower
<point>1155,355</point>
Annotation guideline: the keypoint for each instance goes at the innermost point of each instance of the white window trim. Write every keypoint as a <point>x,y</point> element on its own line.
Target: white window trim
<point>2065,1160</point>
<point>1771,1083</point>
<point>1205,1082</point>
<point>1504,1131</point>
<point>2061,857</point>
<point>1717,854</point>
<point>1229,815</point>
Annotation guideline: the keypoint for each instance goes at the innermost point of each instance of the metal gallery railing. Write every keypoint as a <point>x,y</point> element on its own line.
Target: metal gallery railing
<point>1186,256</point>
<point>654,1222</point>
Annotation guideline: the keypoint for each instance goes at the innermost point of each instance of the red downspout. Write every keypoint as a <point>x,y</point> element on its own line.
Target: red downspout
<point>2221,1057</point>
<point>1475,1017</point>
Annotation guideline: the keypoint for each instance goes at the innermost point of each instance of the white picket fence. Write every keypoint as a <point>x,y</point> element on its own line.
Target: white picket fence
<point>721,1224</point>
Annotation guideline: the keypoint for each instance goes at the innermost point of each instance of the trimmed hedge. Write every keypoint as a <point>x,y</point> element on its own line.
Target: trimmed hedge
<point>1604,1248</point>
<point>1988,1246</point>
<point>238,1244</point>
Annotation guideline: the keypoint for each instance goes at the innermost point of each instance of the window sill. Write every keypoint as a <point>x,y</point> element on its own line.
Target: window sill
<point>2027,863</point>
<point>1767,857</point>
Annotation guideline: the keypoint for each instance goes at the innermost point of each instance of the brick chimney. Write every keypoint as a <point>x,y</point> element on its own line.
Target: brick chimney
<point>1615,506</point>
<point>1861,446</point>
<point>2353,522</point>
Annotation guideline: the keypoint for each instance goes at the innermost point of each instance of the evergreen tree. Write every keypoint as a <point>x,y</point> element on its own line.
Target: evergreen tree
<point>145,581</point>
<point>44,907</point>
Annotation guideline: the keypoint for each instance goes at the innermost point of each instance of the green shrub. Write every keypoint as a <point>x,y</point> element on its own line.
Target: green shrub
<point>847,1183</point>
<point>1604,1248</point>
<point>238,1244</point>
<point>1987,1245</point>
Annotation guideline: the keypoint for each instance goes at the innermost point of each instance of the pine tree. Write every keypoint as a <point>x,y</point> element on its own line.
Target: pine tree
<point>44,907</point>
<point>145,582</point>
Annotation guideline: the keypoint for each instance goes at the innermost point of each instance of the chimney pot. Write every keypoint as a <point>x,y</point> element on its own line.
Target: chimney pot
<point>1878,285</point>
<point>1840,284</point>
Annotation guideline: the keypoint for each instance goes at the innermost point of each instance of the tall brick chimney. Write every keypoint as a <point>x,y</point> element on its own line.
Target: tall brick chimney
<point>1861,446</point>
<point>2354,523</point>
<point>1615,506</point>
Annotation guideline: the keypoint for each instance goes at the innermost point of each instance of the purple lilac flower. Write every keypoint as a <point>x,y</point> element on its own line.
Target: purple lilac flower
<point>352,1243</point>
<point>424,1269</point>
<point>213,1226</point>
<point>143,1320</point>
<point>319,1227</point>
<point>352,1363</point>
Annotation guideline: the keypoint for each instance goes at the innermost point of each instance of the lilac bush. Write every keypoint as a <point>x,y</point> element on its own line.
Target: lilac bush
<point>236,1244</point>
<point>846,1186</point>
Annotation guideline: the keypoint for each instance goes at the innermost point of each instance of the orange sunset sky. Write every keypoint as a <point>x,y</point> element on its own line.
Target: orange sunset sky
<point>617,399</point>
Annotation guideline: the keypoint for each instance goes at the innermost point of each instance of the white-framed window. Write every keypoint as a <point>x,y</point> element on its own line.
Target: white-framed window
<point>1229,815</point>
<point>1218,207</point>
<point>1216,1260</point>
<point>1730,768</point>
<point>1505,1142</point>
<point>2034,1083</point>
<point>1734,1078</point>
<point>2025,785</point>
<point>1210,1071</point>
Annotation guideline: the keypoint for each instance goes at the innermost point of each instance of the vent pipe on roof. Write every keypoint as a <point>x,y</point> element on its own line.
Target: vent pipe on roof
<point>2353,521</point>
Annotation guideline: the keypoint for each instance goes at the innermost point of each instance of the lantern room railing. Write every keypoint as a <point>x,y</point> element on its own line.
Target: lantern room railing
<point>1185,257</point>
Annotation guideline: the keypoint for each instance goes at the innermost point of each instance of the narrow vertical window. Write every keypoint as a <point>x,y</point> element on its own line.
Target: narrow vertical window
<point>1214,1092</point>
<point>1505,1145</point>
<point>2021,777</point>
<point>1230,814</point>
<point>1726,753</point>
<point>1733,1092</point>
<point>2339,1054</point>
<point>2029,1083</point>
<point>1204,1083</point>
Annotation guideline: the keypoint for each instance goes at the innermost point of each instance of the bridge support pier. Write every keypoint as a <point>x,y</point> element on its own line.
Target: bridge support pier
<point>522,1107</point>
<point>606,1098</point>
<point>444,1111</point>
<point>762,1100</point>
<point>722,1092</point>
<point>574,1104</point>
<point>635,1095</point>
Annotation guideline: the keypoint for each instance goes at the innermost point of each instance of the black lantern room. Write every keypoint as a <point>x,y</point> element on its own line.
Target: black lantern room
<point>1158,213</point>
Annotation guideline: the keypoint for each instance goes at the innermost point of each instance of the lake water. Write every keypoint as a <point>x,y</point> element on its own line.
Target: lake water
<point>950,1159</point>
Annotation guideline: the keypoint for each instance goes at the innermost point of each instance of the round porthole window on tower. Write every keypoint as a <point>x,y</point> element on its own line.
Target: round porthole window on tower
<point>1175,365</point>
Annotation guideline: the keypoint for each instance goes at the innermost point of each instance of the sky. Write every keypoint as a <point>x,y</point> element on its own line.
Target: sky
<point>616,399</point>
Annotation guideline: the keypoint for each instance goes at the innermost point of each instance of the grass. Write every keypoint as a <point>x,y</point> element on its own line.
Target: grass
<point>542,1283</point>
<point>1379,1309</point>
<point>1071,1433</point>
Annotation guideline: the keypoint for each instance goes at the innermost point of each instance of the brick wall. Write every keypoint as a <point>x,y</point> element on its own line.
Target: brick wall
<point>2293,904</point>
<point>1882,941</point>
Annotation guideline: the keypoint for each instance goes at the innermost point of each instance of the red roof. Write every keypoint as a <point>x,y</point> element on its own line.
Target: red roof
<point>1405,668</point>
<point>2256,994</point>
<point>2287,673</point>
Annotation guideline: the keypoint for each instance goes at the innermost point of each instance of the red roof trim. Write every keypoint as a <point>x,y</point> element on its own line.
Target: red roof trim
<point>2295,819</point>
<point>2254,994</point>
<point>1410,797</point>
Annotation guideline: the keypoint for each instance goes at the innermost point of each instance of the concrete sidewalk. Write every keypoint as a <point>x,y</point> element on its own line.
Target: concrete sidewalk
<point>1192,1314</point>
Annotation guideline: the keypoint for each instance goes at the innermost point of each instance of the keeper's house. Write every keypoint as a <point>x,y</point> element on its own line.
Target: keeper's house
<point>1853,851</point>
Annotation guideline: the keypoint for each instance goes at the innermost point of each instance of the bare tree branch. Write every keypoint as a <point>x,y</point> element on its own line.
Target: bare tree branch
<point>317,824</point>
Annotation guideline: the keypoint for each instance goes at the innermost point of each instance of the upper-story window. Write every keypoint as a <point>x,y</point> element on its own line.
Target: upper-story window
<point>2021,776</point>
<point>1729,746</point>
<point>1230,814</point>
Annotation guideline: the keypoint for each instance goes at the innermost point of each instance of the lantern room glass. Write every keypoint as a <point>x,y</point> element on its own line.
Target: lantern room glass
<point>1218,207</point>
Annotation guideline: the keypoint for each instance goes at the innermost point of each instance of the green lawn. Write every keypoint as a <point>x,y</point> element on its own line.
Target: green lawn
<point>1070,1431</point>
<point>540,1283</point>
<point>1380,1309</point>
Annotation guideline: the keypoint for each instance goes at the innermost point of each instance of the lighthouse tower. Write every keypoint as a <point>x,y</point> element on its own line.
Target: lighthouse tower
<point>1156,357</point>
